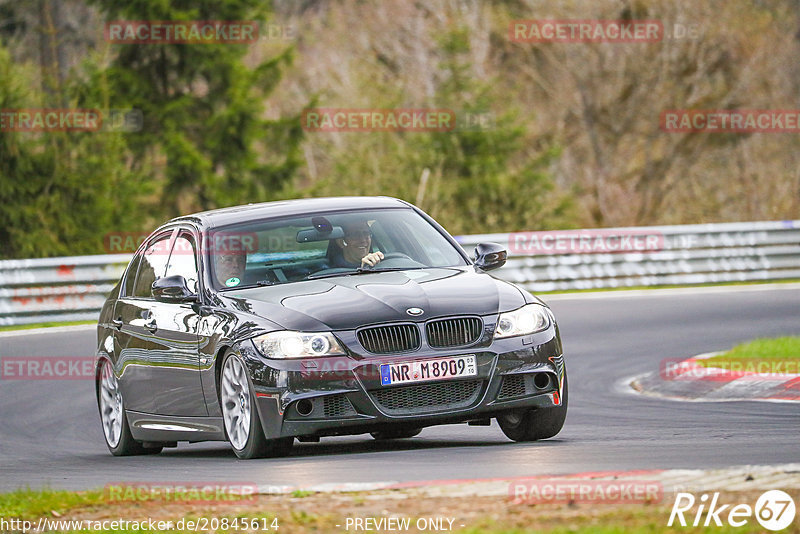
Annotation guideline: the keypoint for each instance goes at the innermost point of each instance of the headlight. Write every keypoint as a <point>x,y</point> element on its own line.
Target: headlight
<point>526,320</point>
<point>288,344</point>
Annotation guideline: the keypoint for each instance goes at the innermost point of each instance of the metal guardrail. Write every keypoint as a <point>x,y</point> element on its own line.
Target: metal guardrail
<point>57,289</point>
<point>681,255</point>
<point>74,288</point>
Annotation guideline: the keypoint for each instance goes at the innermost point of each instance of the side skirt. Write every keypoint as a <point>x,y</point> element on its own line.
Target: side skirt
<point>150,427</point>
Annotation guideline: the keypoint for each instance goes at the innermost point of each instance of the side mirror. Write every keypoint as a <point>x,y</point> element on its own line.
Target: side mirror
<point>490,256</point>
<point>173,289</point>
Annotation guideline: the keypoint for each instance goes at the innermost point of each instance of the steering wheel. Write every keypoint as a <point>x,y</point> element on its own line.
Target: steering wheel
<point>396,255</point>
<point>394,260</point>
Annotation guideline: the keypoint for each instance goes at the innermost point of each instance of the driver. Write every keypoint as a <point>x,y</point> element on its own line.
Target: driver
<point>355,248</point>
<point>229,269</point>
<point>230,261</point>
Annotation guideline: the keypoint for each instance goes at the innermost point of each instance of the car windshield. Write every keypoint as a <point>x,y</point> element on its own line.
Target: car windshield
<point>321,245</point>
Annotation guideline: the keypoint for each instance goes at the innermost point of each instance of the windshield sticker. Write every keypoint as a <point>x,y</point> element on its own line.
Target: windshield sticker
<point>231,282</point>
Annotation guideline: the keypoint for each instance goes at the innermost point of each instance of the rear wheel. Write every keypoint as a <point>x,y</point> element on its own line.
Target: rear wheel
<point>400,433</point>
<point>240,414</point>
<point>112,415</point>
<point>536,424</point>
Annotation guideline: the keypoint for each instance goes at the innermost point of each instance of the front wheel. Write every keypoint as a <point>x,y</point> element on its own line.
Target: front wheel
<point>240,414</point>
<point>112,415</point>
<point>536,424</point>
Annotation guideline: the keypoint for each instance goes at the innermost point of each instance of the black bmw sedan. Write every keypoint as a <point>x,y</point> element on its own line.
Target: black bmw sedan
<point>266,323</point>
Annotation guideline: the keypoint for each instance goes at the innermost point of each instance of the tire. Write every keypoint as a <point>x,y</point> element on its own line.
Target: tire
<point>116,431</point>
<point>536,424</point>
<point>400,433</point>
<point>240,415</point>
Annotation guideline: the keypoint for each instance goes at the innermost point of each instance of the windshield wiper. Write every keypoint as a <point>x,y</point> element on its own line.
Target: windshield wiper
<point>390,269</point>
<point>353,272</point>
<point>258,283</point>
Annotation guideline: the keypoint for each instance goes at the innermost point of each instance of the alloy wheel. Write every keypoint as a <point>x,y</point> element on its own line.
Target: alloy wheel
<point>110,405</point>
<point>235,402</point>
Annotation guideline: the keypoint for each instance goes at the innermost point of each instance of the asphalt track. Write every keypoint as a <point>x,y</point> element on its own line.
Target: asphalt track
<point>50,434</point>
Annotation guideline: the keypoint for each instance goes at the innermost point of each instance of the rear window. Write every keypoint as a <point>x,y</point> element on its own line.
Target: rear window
<point>130,276</point>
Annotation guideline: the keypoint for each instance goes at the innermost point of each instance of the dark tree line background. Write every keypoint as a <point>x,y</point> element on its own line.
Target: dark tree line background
<point>574,139</point>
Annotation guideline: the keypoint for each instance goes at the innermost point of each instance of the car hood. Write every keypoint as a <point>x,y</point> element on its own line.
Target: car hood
<point>348,302</point>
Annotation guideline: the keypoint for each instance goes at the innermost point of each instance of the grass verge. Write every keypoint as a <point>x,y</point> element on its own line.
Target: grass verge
<point>317,512</point>
<point>33,504</point>
<point>667,286</point>
<point>5,328</point>
<point>760,355</point>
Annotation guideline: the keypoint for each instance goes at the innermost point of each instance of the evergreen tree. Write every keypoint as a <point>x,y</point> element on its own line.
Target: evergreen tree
<point>61,192</point>
<point>203,108</point>
<point>491,181</point>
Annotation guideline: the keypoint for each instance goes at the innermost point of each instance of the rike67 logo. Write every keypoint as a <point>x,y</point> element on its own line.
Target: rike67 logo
<point>774,510</point>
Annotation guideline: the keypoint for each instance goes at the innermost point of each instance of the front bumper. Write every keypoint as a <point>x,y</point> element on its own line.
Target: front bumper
<point>344,395</point>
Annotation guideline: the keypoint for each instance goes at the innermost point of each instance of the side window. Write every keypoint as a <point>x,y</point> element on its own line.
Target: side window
<point>130,276</point>
<point>152,266</point>
<point>183,260</point>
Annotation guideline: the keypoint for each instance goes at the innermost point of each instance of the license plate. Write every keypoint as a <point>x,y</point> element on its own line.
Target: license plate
<point>426,370</point>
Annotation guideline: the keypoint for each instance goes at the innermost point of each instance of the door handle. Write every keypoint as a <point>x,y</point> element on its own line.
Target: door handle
<point>151,325</point>
<point>117,323</point>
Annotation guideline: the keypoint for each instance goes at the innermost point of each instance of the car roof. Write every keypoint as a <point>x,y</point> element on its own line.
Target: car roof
<point>282,208</point>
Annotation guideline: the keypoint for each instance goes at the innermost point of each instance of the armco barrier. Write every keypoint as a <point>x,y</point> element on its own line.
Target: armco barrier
<point>57,289</point>
<point>681,255</point>
<point>74,288</point>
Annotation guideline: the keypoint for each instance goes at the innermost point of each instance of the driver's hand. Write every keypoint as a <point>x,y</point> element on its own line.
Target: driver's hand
<point>372,259</point>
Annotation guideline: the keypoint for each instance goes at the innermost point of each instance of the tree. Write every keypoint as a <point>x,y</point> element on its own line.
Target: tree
<point>203,108</point>
<point>491,180</point>
<point>480,179</point>
<point>61,192</point>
